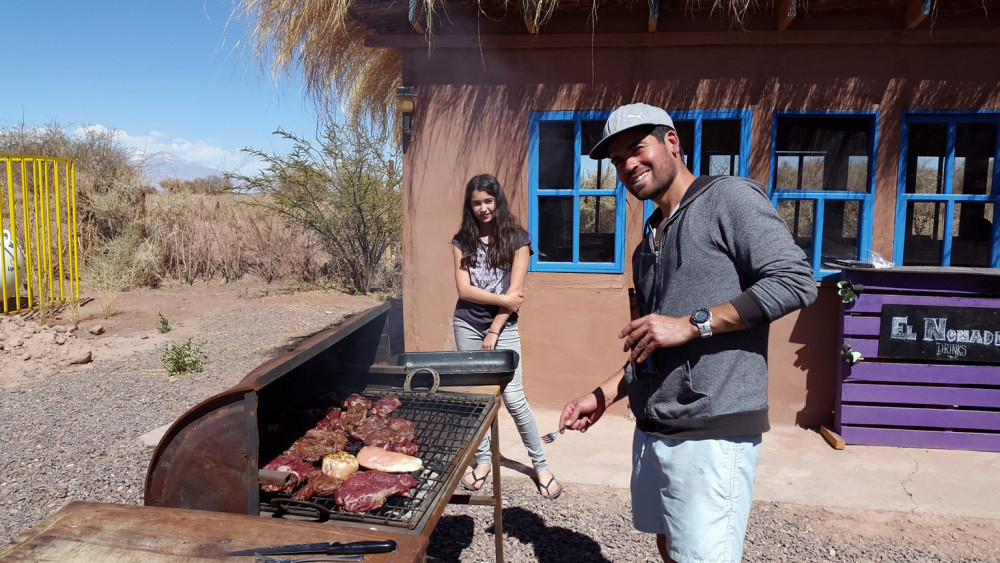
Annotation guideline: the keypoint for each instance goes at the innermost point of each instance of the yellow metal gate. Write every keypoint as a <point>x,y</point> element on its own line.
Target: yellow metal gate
<point>40,257</point>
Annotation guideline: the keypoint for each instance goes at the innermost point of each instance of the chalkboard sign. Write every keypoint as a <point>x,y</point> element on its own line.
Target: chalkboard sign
<point>951,334</point>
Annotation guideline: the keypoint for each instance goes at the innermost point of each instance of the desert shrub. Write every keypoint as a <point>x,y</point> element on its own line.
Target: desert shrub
<point>216,236</point>
<point>185,357</point>
<point>109,189</point>
<point>208,185</point>
<point>163,324</point>
<point>346,191</point>
<point>121,264</point>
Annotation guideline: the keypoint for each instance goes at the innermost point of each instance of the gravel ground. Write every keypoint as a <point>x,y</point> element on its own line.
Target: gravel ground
<point>73,436</point>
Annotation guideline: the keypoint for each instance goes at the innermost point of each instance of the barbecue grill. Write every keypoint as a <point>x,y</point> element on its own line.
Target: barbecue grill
<point>210,458</point>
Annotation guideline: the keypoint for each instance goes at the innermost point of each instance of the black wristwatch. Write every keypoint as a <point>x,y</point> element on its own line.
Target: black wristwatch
<point>702,318</point>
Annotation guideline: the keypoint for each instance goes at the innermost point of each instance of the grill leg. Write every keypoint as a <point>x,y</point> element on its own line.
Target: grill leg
<point>497,496</point>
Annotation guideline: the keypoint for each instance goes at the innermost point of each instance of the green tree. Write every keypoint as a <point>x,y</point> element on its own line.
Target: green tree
<point>346,190</point>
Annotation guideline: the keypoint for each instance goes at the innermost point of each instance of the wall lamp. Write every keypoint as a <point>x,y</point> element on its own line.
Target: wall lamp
<point>405,104</point>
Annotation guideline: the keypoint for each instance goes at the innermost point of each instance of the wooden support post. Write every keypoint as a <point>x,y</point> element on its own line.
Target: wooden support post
<point>916,12</point>
<point>414,14</point>
<point>786,13</point>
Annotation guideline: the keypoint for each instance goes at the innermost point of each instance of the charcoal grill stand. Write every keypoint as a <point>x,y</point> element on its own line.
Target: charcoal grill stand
<point>496,500</point>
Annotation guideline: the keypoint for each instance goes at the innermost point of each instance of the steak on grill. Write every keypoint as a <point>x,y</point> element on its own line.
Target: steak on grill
<point>368,490</point>
<point>386,405</point>
<point>383,432</point>
<point>291,464</point>
<point>331,421</point>
<point>318,484</point>
<point>318,443</point>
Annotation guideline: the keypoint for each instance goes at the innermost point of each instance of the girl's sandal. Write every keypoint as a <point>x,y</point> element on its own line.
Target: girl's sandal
<point>477,482</point>
<point>549,495</point>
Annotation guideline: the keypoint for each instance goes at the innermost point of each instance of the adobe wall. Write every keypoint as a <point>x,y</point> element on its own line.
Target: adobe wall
<point>570,321</point>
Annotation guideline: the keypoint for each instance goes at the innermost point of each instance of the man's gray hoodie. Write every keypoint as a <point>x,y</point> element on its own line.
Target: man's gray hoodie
<point>724,242</point>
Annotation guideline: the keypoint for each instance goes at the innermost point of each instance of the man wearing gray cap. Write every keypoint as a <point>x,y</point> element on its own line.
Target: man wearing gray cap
<point>716,265</point>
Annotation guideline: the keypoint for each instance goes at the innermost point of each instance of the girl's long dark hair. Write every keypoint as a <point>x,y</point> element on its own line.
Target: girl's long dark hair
<point>506,226</point>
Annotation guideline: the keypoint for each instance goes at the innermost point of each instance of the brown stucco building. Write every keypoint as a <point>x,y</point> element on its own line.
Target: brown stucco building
<point>873,124</point>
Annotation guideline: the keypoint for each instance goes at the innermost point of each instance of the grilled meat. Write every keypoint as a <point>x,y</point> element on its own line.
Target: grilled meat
<point>368,490</point>
<point>318,484</point>
<point>340,465</point>
<point>357,400</point>
<point>318,443</point>
<point>372,457</point>
<point>291,464</point>
<point>386,405</point>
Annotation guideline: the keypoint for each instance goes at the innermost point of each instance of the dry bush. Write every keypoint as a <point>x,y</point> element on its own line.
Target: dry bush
<point>205,237</point>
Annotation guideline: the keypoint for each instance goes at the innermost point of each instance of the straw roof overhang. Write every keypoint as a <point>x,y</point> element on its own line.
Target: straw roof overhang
<point>432,17</point>
<point>350,51</point>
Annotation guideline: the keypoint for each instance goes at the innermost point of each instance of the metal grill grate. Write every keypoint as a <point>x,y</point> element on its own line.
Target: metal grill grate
<point>444,423</point>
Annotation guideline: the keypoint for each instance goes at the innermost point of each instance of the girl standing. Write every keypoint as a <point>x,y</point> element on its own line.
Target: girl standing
<point>491,264</point>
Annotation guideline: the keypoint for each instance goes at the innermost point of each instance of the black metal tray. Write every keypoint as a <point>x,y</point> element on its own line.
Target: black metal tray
<point>456,368</point>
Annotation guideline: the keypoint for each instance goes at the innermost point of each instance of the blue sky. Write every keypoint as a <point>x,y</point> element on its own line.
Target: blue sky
<point>169,75</point>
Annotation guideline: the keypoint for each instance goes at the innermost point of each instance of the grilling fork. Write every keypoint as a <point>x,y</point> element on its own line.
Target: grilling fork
<point>550,437</point>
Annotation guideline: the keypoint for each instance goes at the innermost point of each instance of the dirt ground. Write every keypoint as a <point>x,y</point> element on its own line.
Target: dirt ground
<point>40,342</point>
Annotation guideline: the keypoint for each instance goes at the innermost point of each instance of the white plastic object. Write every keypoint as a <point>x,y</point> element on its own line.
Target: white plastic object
<point>9,264</point>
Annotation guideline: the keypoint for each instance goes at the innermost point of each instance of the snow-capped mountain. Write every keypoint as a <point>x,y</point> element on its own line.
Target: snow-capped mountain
<point>161,166</point>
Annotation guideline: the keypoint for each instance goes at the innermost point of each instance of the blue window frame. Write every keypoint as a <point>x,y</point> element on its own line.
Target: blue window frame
<point>822,182</point>
<point>947,195</point>
<point>577,205</point>
<point>715,142</point>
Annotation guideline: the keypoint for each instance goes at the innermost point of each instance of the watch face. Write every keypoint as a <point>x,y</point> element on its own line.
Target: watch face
<point>700,316</point>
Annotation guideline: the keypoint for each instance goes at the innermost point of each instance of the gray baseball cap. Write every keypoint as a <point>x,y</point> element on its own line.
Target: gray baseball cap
<point>627,117</point>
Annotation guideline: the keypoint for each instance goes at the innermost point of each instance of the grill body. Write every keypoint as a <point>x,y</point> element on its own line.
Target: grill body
<point>210,457</point>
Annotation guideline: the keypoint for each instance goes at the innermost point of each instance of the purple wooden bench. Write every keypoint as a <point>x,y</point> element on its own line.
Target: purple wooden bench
<point>888,400</point>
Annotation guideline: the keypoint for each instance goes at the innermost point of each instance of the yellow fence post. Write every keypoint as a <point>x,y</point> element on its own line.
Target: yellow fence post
<point>40,258</point>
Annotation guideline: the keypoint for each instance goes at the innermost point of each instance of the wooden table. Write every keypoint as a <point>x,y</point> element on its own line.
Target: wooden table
<point>84,531</point>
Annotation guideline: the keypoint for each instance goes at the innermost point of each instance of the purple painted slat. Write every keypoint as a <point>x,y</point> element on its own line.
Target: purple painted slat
<point>933,418</point>
<point>856,325</point>
<point>985,281</point>
<point>920,394</point>
<point>973,441</point>
<point>867,346</point>
<point>872,302</point>
<point>923,373</point>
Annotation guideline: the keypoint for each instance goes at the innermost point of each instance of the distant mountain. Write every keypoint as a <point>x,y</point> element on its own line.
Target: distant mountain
<point>162,166</point>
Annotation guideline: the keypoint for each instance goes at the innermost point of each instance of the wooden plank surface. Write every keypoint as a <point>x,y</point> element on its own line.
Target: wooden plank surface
<point>877,415</point>
<point>946,374</point>
<point>934,439</point>
<point>869,302</point>
<point>108,533</point>
<point>921,394</point>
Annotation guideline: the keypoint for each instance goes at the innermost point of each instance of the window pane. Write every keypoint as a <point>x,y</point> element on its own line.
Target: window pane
<point>926,151</point>
<point>555,225</point>
<point>975,145</point>
<point>594,174</point>
<point>787,176</point>
<point>720,147</point>
<point>971,233</point>
<point>597,229</point>
<point>924,233</point>
<point>556,155</point>
<point>827,148</point>
<point>798,215</point>
<point>840,229</point>
<point>857,174</point>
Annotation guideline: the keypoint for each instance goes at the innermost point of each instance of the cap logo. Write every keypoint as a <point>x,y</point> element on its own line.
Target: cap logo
<point>633,116</point>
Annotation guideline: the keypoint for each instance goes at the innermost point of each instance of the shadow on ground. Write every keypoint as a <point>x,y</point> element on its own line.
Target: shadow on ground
<point>454,534</point>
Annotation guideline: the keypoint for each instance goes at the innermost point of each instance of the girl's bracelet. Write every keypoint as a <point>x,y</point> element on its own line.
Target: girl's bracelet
<point>493,332</point>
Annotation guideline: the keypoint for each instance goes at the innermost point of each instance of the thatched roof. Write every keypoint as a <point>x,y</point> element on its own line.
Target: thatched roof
<point>325,40</point>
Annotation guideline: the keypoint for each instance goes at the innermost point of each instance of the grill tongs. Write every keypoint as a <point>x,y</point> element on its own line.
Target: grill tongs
<point>325,548</point>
